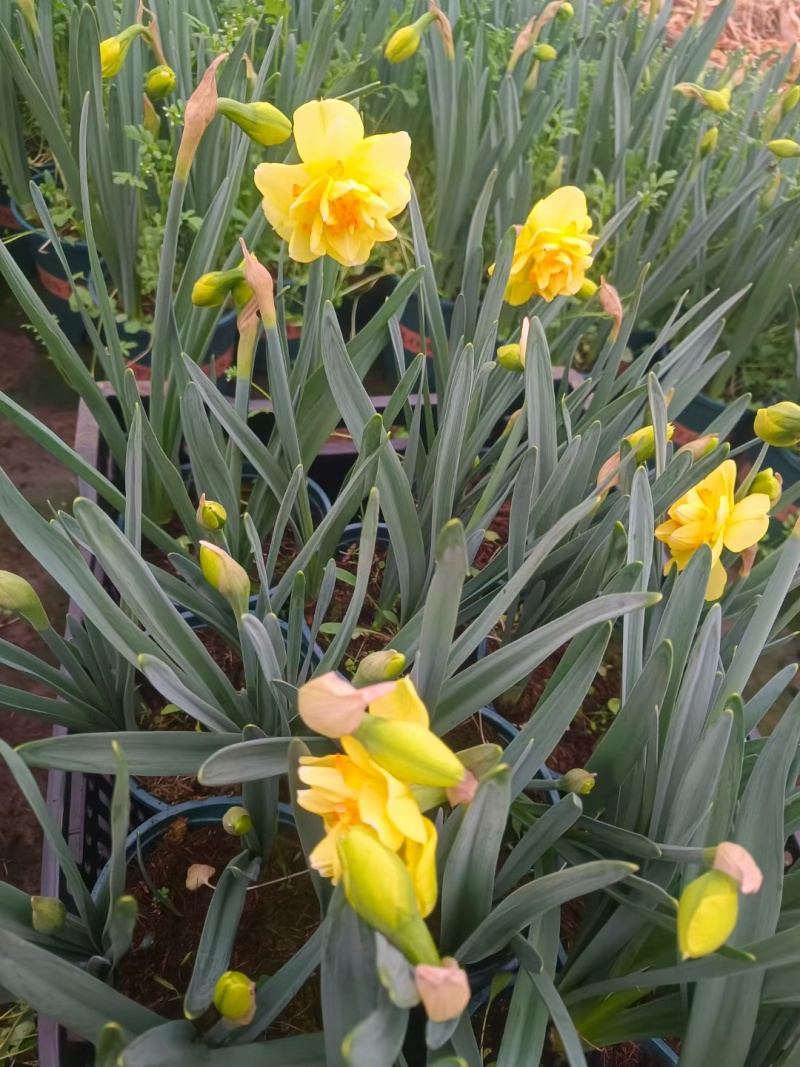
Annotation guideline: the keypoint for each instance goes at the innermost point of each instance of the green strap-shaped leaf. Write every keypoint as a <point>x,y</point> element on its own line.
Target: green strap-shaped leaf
<point>221,925</point>
<point>379,1038</point>
<point>533,965</point>
<point>524,905</point>
<point>469,873</point>
<point>146,754</point>
<point>536,840</point>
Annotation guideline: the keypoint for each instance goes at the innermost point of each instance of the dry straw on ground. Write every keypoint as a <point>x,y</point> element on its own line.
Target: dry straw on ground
<point>756,26</point>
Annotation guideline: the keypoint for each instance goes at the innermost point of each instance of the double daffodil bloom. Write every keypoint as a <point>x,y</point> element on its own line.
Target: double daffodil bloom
<point>709,515</point>
<point>352,790</point>
<point>338,201</point>
<point>553,249</point>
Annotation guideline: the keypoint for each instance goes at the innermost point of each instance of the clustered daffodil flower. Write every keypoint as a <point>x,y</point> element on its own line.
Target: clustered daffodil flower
<point>338,201</point>
<point>387,750</point>
<point>709,515</point>
<point>553,249</point>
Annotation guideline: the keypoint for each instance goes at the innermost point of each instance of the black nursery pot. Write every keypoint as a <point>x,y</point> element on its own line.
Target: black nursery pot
<point>54,279</point>
<point>17,239</point>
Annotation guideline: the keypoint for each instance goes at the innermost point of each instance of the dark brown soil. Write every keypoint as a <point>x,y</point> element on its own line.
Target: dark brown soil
<point>588,726</point>
<point>496,537</point>
<point>27,376</point>
<point>374,631</point>
<point>277,921</point>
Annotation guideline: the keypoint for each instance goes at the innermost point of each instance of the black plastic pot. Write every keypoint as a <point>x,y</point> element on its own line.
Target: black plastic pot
<point>16,237</point>
<point>54,279</point>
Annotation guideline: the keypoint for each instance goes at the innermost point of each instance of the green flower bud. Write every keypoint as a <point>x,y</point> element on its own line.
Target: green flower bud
<point>226,576</point>
<point>237,822</point>
<point>770,192</point>
<point>545,53</point>
<point>578,781</point>
<point>707,914</point>
<point>383,666</point>
<point>769,483</point>
<point>643,441</point>
<point>211,290</point>
<point>159,82</point>
<point>211,515</point>
<point>18,597</point>
<point>113,50</point>
<point>784,148</point>
<point>48,915</point>
<point>404,42</point>
<point>409,751</point>
<point>555,177</point>
<point>587,290</point>
<point>235,997</point>
<point>718,100</point>
<point>790,99</point>
<point>512,421</point>
<point>709,141</point>
<point>379,889</point>
<point>510,357</point>
<point>262,122</point>
<point>779,424</point>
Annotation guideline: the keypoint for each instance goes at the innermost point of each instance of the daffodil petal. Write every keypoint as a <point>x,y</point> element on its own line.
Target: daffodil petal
<point>326,130</point>
<point>747,523</point>
<point>717,581</point>
<point>402,704</point>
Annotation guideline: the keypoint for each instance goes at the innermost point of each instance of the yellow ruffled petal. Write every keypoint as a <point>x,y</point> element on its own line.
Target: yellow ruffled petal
<point>402,704</point>
<point>326,130</point>
<point>325,857</point>
<point>421,863</point>
<point>372,810</point>
<point>747,523</point>
<point>381,163</point>
<point>717,581</point>
<point>564,205</point>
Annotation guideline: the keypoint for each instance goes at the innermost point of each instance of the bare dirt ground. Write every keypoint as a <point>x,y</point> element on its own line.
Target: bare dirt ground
<point>756,26</point>
<point>29,378</point>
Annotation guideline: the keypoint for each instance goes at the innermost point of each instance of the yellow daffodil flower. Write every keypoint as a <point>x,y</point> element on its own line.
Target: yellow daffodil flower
<point>553,249</point>
<point>707,914</point>
<point>709,515</point>
<point>353,790</point>
<point>338,201</point>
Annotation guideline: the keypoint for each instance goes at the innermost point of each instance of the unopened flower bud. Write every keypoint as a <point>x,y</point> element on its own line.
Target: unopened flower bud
<point>587,290</point>
<point>159,82</point>
<point>545,53</point>
<point>464,792</point>
<point>383,666</point>
<point>113,50</point>
<point>736,861</point>
<point>211,290</point>
<point>199,874</point>
<point>235,997</point>
<point>769,483</point>
<point>643,442</point>
<point>18,597</point>
<point>565,12</point>
<point>771,190</point>
<point>708,142</point>
<point>443,990</point>
<point>379,889</point>
<point>510,357</point>
<point>211,515</point>
<point>48,915</point>
<point>784,148</point>
<point>404,42</point>
<point>707,914</point>
<point>226,576</point>
<point>262,122</point>
<point>578,781</point>
<point>779,424</point>
<point>790,99</point>
<point>512,420</point>
<point>700,446</point>
<point>332,707</point>
<point>612,305</point>
<point>397,737</point>
<point>716,99</point>
<point>237,822</point>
